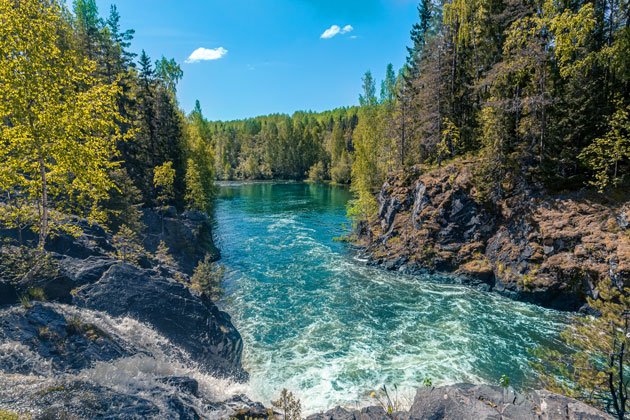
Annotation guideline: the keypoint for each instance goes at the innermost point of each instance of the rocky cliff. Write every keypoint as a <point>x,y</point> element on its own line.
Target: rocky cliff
<point>550,250</point>
<point>85,335</point>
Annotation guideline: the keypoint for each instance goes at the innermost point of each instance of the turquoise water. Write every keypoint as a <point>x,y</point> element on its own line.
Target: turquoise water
<point>321,323</point>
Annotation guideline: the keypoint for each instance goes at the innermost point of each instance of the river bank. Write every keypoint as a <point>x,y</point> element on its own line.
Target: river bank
<point>551,250</point>
<point>116,340</point>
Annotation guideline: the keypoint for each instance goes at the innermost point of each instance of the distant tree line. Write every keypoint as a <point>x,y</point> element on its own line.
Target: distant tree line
<point>536,91</point>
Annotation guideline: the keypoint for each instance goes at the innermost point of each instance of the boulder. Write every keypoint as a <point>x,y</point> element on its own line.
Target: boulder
<point>477,402</point>
<point>191,322</point>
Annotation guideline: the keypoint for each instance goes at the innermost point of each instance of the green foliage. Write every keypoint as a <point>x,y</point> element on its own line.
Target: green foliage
<point>23,265</point>
<point>317,173</point>
<point>127,245</point>
<point>200,165</point>
<point>163,256</point>
<point>596,371</point>
<point>341,171</point>
<point>368,97</point>
<point>207,277</point>
<point>36,293</point>
<point>9,415</point>
<point>55,114</point>
<point>169,72</point>
<point>427,382</point>
<point>289,405</point>
<point>609,155</point>
<point>124,203</point>
<point>504,381</point>
<point>164,181</point>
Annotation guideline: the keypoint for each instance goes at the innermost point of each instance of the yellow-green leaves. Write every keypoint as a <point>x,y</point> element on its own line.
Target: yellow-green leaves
<point>605,154</point>
<point>57,120</point>
<point>163,181</point>
<point>571,33</point>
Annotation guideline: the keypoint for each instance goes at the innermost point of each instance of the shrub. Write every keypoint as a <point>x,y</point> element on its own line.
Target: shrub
<point>317,173</point>
<point>290,406</point>
<point>163,256</point>
<point>21,265</point>
<point>206,278</point>
<point>127,245</point>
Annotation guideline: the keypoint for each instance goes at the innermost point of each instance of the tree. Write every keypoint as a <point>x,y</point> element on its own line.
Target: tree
<point>606,155</point>
<point>169,72</point>
<point>366,173</point>
<point>368,97</point>
<point>419,33</point>
<point>59,122</point>
<point>88,25</point>
<point>289,404</point>
<point>317,173</point>
<point>388,86</point>
<point>207,277</point>
<point>597,370</point>
<point>163,256</point>
<point>127,245</point>
<point>122,39</point>
<point>163,181</point>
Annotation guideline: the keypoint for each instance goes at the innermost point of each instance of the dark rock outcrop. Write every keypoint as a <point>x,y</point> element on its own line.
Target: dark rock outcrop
<point>191,322</point>
<point>65,344</point>
<point>477,402</point>
<point>188,236</point>
<point>551,251</point>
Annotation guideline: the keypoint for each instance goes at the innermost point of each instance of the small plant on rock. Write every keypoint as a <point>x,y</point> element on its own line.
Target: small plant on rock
<point>127,244</point>
<point>390,402</point>
<point>207,277</point>
<point>289,405</point>
<point>163,256</point>
<point>504,381</point>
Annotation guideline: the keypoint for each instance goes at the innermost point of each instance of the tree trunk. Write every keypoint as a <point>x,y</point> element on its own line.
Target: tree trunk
<point>43,223</point>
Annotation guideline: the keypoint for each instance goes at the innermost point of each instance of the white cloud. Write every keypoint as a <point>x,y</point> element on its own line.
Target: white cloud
<point>206,54</point>
<point>331,32</point>
<point>335,30</point>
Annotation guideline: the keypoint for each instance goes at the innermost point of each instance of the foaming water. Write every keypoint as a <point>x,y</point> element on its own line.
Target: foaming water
<point>141,375</point>
<point>316,320</point>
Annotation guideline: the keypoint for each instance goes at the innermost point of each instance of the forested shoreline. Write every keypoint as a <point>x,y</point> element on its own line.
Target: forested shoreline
<point>479,144</point>
<point>536,92</point>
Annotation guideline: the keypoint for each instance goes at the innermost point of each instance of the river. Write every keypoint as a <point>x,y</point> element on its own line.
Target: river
<point>318,321</point>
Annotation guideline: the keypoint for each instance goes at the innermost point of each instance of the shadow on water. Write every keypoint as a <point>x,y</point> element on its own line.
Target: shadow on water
<point>330,328</point>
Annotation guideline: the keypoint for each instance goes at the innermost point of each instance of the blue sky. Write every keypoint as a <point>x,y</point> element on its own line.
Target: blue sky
<point>276,59</point>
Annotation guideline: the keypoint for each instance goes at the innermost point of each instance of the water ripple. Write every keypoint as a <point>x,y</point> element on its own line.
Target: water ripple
<point>318,321</point>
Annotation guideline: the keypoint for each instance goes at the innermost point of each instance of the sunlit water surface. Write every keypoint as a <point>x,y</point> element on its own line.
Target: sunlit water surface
<point>318,321</point>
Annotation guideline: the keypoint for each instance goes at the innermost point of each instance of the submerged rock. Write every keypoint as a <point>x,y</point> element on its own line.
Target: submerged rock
<point>552,251</point>
<point>477,402</point>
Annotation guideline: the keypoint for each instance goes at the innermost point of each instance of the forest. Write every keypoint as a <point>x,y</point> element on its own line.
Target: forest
<point>537,91</point>
<point>89,128</point>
